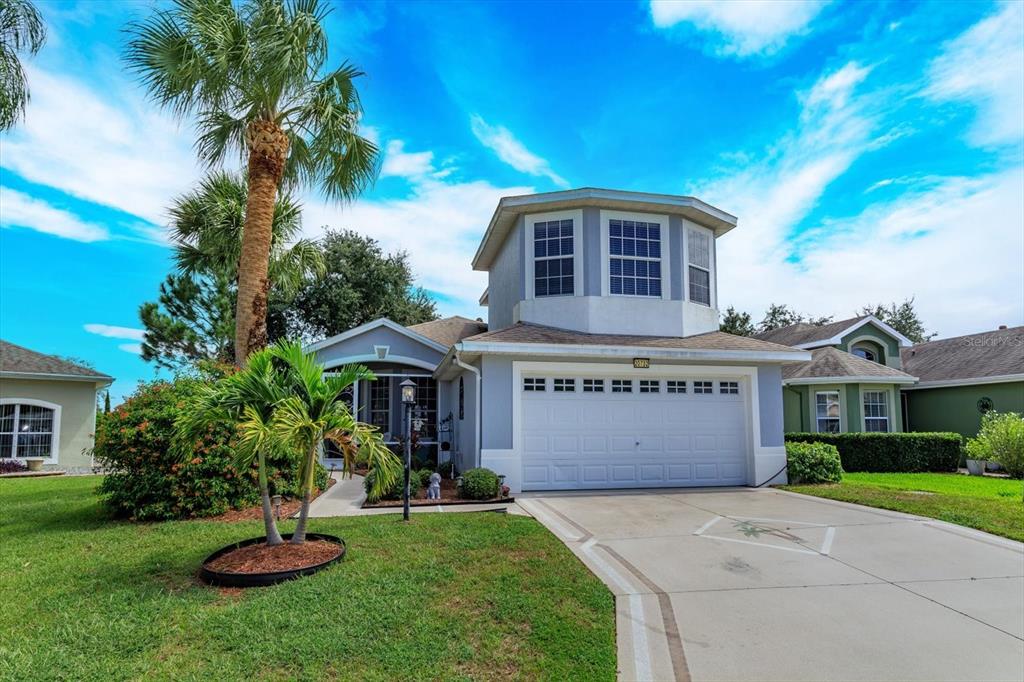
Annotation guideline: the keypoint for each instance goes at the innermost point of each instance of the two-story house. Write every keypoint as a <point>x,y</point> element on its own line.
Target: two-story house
<point>601,365</point>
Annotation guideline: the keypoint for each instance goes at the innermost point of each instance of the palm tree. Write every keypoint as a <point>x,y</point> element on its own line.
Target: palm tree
<point>21,29</point>
<point>247,399</point>
<point>316,411</point>
<point>253,76</point>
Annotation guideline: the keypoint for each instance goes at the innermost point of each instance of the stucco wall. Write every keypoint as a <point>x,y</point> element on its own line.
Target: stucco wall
<point>769,391</point>
<point>799,406</point>
<point>506,280</point>
<point>362,346</point>
<point>956,408</point>
<point>77,420</point>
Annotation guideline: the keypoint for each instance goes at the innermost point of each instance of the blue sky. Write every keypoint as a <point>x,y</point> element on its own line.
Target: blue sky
<point>873,151</point>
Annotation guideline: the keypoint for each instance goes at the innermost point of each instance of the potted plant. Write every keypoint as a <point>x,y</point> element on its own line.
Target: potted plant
<point>34,463</point>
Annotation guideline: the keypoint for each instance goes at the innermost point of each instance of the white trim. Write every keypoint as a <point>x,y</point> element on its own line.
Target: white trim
<point>372,357</point>
<point>42,376</point>
<point>483,301</point>
<point>55,434</point>
<point>870,319</point>
<point>379,322</point>
<point>664,260</point>
<point>871,379</point>
<point>838,390</point>
<point>751,397</point>
<point>577,248</point>
<point>949,383</point>
<point>569,350</point>
<point>889,419</point>
<point>478,442</point>
<point>852,343</point>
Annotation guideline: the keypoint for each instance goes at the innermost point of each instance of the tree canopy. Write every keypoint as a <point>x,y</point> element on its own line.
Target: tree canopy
<point>21,30</point>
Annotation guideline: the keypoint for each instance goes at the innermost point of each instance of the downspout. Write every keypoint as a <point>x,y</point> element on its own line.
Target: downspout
<point>478,429</point>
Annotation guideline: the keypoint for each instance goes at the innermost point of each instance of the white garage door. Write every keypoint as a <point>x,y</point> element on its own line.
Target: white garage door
<point>585,432</point>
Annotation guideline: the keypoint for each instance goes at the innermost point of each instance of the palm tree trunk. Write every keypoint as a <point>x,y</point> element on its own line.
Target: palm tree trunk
<point>299,536</point>
<point>268,150</point>
<point>270,525</point>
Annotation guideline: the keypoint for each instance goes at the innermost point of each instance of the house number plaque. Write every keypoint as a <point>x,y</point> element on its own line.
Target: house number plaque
<point>641,363</point>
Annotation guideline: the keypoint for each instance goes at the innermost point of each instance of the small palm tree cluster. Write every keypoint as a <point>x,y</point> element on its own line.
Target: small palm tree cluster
<point>21,30</point>
<point>284,403</point>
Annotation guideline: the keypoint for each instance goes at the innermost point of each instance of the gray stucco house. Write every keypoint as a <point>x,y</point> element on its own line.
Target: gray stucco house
<point>601,365</point>
<point>47,408</point>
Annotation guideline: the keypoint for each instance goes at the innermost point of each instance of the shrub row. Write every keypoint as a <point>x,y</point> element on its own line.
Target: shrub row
<point>149,480</point>
<point>890,452</point>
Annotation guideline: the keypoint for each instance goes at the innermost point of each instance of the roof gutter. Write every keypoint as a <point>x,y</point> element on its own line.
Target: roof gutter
<point>477,427</point>
<point>811,381</point>
<point>972,381</point>
<point>42,376</point>
<point>566,350</point>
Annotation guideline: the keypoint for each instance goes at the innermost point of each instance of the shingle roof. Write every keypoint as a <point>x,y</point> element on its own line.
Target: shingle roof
<point>802,332</point>
<point>525,332</point>
<point>830,362</point>
<point>449,330</point>
<point>988,354</point>
<point>21,360</point>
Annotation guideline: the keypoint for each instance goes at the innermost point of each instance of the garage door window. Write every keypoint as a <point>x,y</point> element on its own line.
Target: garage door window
<point>826,405</point>
<point>702,387</point>
<point>729,387</point>
<point>672,386</point>
<point>650,386</point>
<point>622,386</point>
<point>593,385</point>
<point>565,385</point>
<point>535,384</point>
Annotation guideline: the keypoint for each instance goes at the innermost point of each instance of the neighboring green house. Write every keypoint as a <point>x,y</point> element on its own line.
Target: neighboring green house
<point>865,376</point>
<point>960,379</point>
<point>851,383</point>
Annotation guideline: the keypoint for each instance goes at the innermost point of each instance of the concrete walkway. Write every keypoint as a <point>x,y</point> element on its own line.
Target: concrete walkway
<point>346,497</point>
<point>768,585</point>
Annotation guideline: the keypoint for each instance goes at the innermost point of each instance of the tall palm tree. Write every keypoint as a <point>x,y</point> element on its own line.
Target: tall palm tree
<point>21,30</point>
<point>254,76</point>
<point>316,411</point>
<point>248,399</point>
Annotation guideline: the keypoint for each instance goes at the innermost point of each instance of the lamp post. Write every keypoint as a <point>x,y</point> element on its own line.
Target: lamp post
<point>408,399</point>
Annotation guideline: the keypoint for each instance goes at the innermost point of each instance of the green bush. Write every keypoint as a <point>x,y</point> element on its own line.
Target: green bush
<point>424,475</point>
<point>395,492</point>
<point>890,452</point>
<point>813,463</point>
<point>445,469</point>
<point>1000,439</point>
<point>479,484</point>
<point>148,480</point>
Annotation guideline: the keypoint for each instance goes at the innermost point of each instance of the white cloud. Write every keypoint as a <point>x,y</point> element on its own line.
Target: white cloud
<point>115,332</point>
<point>134,348</point>
<point>502,142</point>
<point>399,163</point>
<point>742,27</point>
<point>985,66</point>
<point>108,147</point>
<point>21,210</point>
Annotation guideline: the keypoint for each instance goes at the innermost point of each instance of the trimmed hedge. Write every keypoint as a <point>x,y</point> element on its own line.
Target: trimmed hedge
<point>813,463</point>
<point>890,452</point>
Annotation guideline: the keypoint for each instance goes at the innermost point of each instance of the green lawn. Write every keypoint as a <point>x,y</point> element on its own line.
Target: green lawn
<point>447,597</point>
<point>990,504</point>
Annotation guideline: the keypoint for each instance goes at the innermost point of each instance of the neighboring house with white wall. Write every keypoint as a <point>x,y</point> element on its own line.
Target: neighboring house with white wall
<point>601,365</point>
<point>47,408</point>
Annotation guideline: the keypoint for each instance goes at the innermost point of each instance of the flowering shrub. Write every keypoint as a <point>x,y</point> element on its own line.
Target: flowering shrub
<point>151,478</point>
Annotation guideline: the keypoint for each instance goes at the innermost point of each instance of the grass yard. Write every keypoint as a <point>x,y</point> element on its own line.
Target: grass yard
<point>994,505</point>
<point>447,597</point>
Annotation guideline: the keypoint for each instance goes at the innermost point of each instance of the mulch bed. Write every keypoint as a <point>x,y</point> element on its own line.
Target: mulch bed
<point>288,508</point>
<point>449,495</point>
<point>264,559</point>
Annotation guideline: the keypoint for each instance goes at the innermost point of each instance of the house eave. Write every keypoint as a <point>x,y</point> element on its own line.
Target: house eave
<point>971,381</point>
<point>869,379</point>
<point>43,376</point>
<point>838,338</point>
<point>509,208</point>
<point>654,353</point>
<point>368,326</point>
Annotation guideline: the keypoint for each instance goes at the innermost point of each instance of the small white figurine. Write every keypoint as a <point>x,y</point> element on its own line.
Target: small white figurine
<point>434,489</point>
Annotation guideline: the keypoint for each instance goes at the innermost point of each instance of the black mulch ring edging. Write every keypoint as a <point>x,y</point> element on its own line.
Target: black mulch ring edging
<point>423,502</point>
<point>223,579</point>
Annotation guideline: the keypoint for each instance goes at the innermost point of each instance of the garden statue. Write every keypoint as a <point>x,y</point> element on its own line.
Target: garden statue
<point>434,489</point>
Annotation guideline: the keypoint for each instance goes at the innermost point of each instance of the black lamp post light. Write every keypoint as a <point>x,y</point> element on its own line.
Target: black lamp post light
<point>408,400</point>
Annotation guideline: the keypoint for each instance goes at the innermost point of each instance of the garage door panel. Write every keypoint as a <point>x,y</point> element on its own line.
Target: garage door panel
<point>577,440</point>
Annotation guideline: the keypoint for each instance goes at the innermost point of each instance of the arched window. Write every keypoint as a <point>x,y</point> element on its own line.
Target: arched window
<point>865,353</point>
<point>29,429</point>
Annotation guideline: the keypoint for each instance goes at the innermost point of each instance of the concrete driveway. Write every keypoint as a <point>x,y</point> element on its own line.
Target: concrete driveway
<point>746,584</point>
